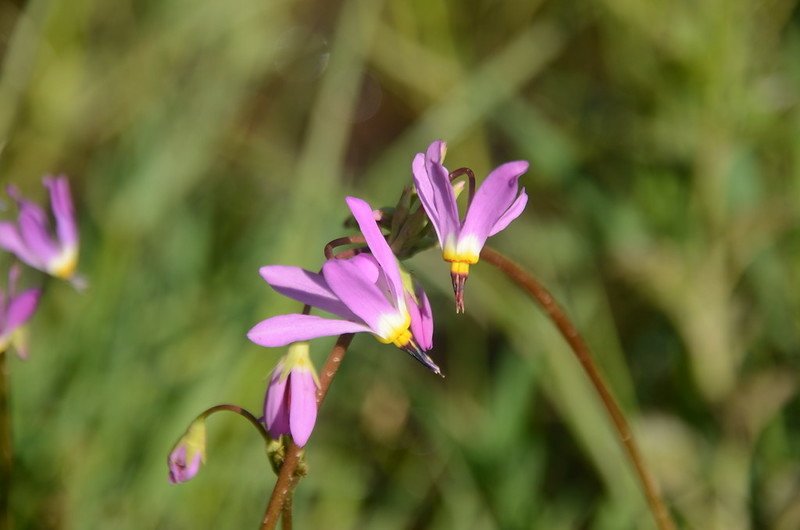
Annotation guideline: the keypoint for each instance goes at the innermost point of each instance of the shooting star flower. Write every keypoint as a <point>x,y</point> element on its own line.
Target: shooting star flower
<point>31,238</point>
<point>497,202</point>
<point>366,292</point>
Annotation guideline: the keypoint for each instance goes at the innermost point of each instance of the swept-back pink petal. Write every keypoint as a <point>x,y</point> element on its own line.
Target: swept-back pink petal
<point>435,192</point>
<point>33,209</point>
<point>363,298</point>
<point>302,405</point>
<point>362,212</point>
<point>491,201</point>
<point>426,334</point>
<point>421,319</point>
<point>368,265</point>
<point>444,195</point>
<point>35,231</point>
<point>276,406</point>
<point>21,308</point>
<point>512,213</point>
<point>11,241</point>
<point>63,209</point>
<point>304,286</point>
<point>285,329</point>
<point>426,194</point>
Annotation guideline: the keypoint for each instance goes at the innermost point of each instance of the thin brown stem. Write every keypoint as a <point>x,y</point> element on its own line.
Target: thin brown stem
<point>570,333</point>
<point>330,248</point>
<point>286,514</point>
<point>6,446</point>
<point>286,478</point>
<point>244,413</point>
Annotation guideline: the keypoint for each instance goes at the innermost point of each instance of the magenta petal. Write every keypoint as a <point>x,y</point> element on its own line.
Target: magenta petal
<point>363,298</point>
<point>493,198</point>
<point>33,210</point>
<point>302,405</point>
<point>421,319</point>
<point>285,329</point>
<point>368,267</point>
<point>426,334</point>
<point>11,241</point>
<point>21,308</point>
<point>377,245</point>
<point>427,197</point>
<point>512,213</point>
<point>304,286</point>
<point>426,194</point>
<point>35,231</point>
<point>435,192</point>
<point>63,209</point>
<point>276,407</point>
<point>444,197</point>
<point>179,469</point>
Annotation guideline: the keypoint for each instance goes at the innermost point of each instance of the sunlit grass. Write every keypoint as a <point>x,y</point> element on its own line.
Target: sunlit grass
<point>207,139</point>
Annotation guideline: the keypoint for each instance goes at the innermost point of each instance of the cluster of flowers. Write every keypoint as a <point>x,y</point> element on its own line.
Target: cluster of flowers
<point>367,290</point>
<point>33,242</point>
<point>370,292</point>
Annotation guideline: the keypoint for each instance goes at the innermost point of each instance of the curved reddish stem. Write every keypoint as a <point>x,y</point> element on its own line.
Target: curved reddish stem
<point>470,181</point>
<point>330,248</point>
<point>570,333</point>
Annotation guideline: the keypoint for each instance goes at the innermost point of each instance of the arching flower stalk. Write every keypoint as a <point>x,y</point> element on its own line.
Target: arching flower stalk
<point>496,203</point>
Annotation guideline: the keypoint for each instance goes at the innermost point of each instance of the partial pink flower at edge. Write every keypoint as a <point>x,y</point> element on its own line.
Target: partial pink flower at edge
<point>15,311</point>
<point>32,239</point>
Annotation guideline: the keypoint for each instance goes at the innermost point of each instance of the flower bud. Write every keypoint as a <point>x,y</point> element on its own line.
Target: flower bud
<point>189,453</point>
<point>290,406</point>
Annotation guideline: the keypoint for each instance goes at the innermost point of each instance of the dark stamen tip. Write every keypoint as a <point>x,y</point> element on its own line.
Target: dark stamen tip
<point>458,289</point>
<point>413,349</point>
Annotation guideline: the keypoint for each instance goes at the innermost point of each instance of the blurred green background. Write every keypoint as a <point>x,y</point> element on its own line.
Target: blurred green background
<point>207,138</point>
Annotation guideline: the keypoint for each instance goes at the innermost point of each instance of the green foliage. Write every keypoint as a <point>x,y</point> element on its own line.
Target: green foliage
<point>205,139</point>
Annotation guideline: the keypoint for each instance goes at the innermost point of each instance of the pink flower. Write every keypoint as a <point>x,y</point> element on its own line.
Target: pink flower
<point>15,311</point>
<point>366,292</point>
<point>31,238</point>
<point>497,202</point>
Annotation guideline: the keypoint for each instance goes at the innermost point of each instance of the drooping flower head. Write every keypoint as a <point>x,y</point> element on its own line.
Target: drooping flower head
<point>31,238</point>
<point>497,202</point>
<point>15,311</point>
<point>290,406</point>
<point>189,453</point>
<point>365,291</point>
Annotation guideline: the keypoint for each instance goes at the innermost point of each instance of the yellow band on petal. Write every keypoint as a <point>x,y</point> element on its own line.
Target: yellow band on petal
<point>397,333</point>
<point>465,252</point>
<point>63,266</point>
